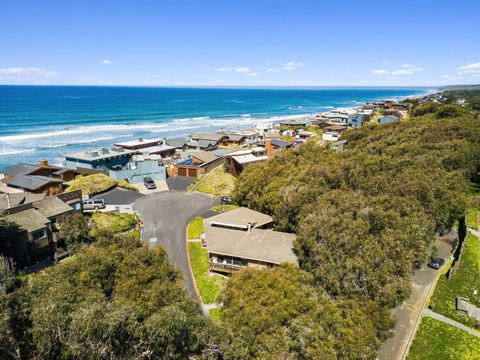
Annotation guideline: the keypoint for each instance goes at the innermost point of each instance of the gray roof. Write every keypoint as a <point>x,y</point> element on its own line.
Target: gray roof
<point>32,182</point>
<point>20,169</point>
<point>281,143</point>
<point>176,142</point>
<point>236,137</point>
<point>8,201</point>
<point>100,153</point>
<point>203,144</point>
<point>240,218</point>
<point>205,156</point>
<point>388,119</point>
<point>209,136</point>
<point>51,206</point>
<point>295,122</point>
<point>261,245</point>
<point>29,220</point>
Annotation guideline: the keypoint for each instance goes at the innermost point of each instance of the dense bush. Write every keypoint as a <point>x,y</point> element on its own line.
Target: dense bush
<point>279,314</point>
<point>116,299</point>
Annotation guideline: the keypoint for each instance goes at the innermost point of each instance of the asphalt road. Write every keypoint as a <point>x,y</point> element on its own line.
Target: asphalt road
<point>166,215</point>
<point>408,313</point>
<point>119,196</point>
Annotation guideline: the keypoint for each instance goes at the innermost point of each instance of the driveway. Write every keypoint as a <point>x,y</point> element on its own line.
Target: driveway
<point>179,183</point>
<point>408,313</point>
<point>119,196</point>
<point>166,215</point>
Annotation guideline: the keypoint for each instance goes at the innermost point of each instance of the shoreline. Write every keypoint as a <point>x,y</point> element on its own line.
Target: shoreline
<point>75,137</point>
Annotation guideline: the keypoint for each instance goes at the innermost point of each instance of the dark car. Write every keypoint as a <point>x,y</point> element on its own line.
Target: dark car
<point>149,183</point>
<point>436,263</point>
<point>226,199</point>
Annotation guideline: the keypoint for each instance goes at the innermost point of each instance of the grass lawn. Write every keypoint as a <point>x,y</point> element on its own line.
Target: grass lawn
<point>125,185</point>
<point>228,207</point>
<point>114,222</point>
<point>436,340</point>
<point>215,315</point>
<point>472,217</point>
<point>195,228</point>
<point>208,286</point>
<point>217,183</point>
<point>92,184</point>
<point>465,280</point>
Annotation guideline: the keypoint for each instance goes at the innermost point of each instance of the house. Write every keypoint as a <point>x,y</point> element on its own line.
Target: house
<point>38,178</point>
<point>236,162</point>
<point>206,141</point>
<point>337,117</point>
<point>140,167</point>
<point>355,120</point>
<point>262,127</point>
<point>196,164</point>
<point>242,238</point>
<point>139,143</point>
<point>274,146</point>
<point>388,119</point>
<point>333,132</point>
<point>177,143</point>
<point>10,200</point>
<point>102,159</point>
<point>38,228</point>
<point>273,134</point>
<point>306,135</point>
<point>296,123</point>
<point>164,150</point>
<point>339,145</point>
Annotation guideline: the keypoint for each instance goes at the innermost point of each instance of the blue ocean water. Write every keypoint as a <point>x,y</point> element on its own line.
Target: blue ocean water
<point>49,121</point>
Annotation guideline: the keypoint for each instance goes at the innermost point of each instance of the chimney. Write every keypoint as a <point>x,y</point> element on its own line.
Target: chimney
<point>43,163</point>
<point>140,139</point>
<point>269,148</point>
<point>249,227</point>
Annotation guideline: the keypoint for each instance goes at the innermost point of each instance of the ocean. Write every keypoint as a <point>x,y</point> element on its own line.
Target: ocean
<point>46,122</point>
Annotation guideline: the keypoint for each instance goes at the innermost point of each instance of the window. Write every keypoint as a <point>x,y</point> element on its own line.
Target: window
<point>39,234</point>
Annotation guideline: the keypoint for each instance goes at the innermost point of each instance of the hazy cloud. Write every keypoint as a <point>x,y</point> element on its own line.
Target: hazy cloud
<point>469,69</point>
<point>106,62</point>
<point>380,72</point>
<point>31,72</point>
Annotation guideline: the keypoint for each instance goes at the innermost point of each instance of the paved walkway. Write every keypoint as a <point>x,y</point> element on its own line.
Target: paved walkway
<point>408,313</point>
<point>450,321</point>
<point>474,232</point>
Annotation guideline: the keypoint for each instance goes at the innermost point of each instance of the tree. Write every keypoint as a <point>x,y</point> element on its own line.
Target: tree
<point>74,230</point>
<point>279,313</point>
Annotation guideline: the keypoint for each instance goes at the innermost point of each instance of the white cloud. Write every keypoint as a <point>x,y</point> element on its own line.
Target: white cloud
<point>106,62</point>
<point>31,72</point>
<point>242,69</point>
<point>252,73</point>
<point>292,65</point>
<point>219,82</point>
<point>225,69</point>
<point>380,72</point>
<point>469,69</point>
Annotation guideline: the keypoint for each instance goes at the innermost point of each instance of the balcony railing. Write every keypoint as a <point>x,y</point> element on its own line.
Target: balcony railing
<point>224,268</point>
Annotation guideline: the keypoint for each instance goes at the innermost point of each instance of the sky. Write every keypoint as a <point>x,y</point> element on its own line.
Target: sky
<point>240,42</point>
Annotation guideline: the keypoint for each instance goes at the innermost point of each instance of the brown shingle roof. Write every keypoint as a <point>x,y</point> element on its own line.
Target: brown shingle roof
<point>29,220</point>
<point>241,217</point>
<point>261,245</point>
<point>51,206</point>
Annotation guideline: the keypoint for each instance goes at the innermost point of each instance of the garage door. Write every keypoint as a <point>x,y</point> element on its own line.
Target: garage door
<point>192,172</point>
<point>182,172</point>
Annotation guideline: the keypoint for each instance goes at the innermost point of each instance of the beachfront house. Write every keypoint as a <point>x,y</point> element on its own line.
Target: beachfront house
<point>237,161</point>
<point>37,178</point>
<point>333,132</point>
<point>274,146</point>
<point>38,224</point>
<point>196,163</point>
<point>297,124</point>
<point>102,159</point>
<point>139,167</point>
<point>355,120</point>
<point>243,238</point>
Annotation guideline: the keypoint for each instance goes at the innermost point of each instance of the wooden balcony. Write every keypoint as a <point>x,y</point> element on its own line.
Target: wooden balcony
<point>223,268</point>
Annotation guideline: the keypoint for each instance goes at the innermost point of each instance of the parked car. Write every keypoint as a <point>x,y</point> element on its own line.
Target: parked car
<point>436,263</point>
<point>149,183</point>
<point>226,199</point>
<point>93,204</point>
